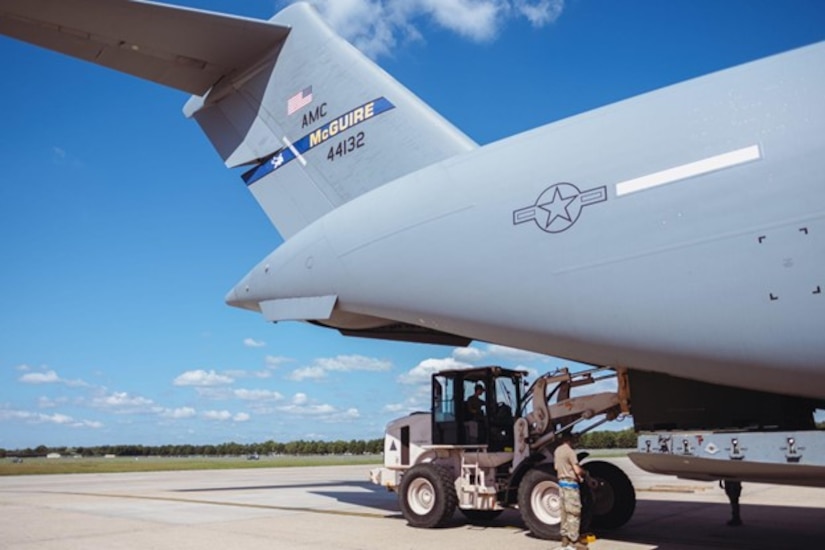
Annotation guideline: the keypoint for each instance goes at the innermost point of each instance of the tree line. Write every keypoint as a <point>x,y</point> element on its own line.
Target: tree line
<point>301,447</point>
<point>625,439</point>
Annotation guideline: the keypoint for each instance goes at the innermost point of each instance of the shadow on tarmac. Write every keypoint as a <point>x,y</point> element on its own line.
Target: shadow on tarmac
<point>358,493</point>
<point>661,524</point>
<point>675,525</point>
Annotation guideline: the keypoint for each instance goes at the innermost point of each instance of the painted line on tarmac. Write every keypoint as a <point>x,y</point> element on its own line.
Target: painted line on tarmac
<point>234,504</point>
<point>676,489</point>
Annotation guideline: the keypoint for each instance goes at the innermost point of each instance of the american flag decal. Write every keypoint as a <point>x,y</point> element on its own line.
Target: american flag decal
<point>299,100</point>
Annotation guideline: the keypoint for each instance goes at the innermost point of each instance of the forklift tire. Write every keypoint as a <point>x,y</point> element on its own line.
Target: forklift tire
<point>427,496</point>
<point>539,503</point>
<point>480,517</point>
<point>614,498</point>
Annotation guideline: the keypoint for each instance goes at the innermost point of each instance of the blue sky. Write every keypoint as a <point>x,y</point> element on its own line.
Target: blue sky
<point>122,231</point>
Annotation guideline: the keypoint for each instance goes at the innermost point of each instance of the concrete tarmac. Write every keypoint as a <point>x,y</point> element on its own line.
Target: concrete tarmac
<point>336,507</point>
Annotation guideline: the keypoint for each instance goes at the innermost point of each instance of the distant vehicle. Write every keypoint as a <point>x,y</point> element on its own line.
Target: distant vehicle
<point>253,456</point>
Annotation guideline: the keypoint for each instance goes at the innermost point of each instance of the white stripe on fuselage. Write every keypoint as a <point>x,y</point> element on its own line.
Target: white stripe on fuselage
<point>692,169</point>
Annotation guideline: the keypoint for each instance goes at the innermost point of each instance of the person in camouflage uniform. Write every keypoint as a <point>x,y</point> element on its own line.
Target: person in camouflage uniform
<point>570,474</point>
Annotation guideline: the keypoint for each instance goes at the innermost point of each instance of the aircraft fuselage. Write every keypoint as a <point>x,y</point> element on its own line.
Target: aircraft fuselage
<point>682,231</point>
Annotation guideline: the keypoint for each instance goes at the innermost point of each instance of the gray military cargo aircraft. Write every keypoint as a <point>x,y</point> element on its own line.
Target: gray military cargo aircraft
<point>679,235</point>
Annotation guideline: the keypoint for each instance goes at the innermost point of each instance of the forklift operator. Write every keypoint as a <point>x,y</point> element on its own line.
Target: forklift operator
<point>474,404</point>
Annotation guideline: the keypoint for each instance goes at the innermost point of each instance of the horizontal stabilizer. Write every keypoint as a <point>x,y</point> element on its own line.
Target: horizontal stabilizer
<point>182,48</point>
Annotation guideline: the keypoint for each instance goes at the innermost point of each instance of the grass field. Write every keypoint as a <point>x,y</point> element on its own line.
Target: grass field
<point>37,466</point>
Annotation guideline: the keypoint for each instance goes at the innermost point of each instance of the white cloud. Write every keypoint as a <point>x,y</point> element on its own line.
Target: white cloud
<point>45,402</point>
<point>265,373</point>
<point>494,351</point>
<point>312,373</point>
<point>477,355</point>
<point>418,401</point>
<point>48,377</point>
<point>180,412</point>
<point>603,385</point>
<point>202,378</point>
<point>257,395</point>
<point>225,393</point>
<point>223,416</point>
<point>474,19</point>
<point>539,12</point>
<point>307,410</point>
<point>274,361</point>
<point>94,424</point>
<point>252,343</point>
<point>468,354</point>
<point>216,393</point>
<point>123,401</point>
<point>421,373</point>
<point>57,418</point>
<point>217,415</point>
<point>301,405</point>
<point>349,363</point>
<point>513,354</point>
<point>341,363</point>
<point>40,418</point>
<point>376,26</point>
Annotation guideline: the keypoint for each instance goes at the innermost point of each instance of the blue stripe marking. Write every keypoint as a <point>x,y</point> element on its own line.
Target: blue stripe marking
<point>338,125</point>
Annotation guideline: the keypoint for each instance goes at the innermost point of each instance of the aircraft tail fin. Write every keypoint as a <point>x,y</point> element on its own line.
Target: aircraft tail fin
<point>319,124</point>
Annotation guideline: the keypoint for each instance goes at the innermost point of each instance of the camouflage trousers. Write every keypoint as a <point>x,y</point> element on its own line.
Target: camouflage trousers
<point>571,511</point>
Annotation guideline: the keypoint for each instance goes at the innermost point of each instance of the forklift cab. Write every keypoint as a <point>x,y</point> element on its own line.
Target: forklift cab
<point>462,417</point>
